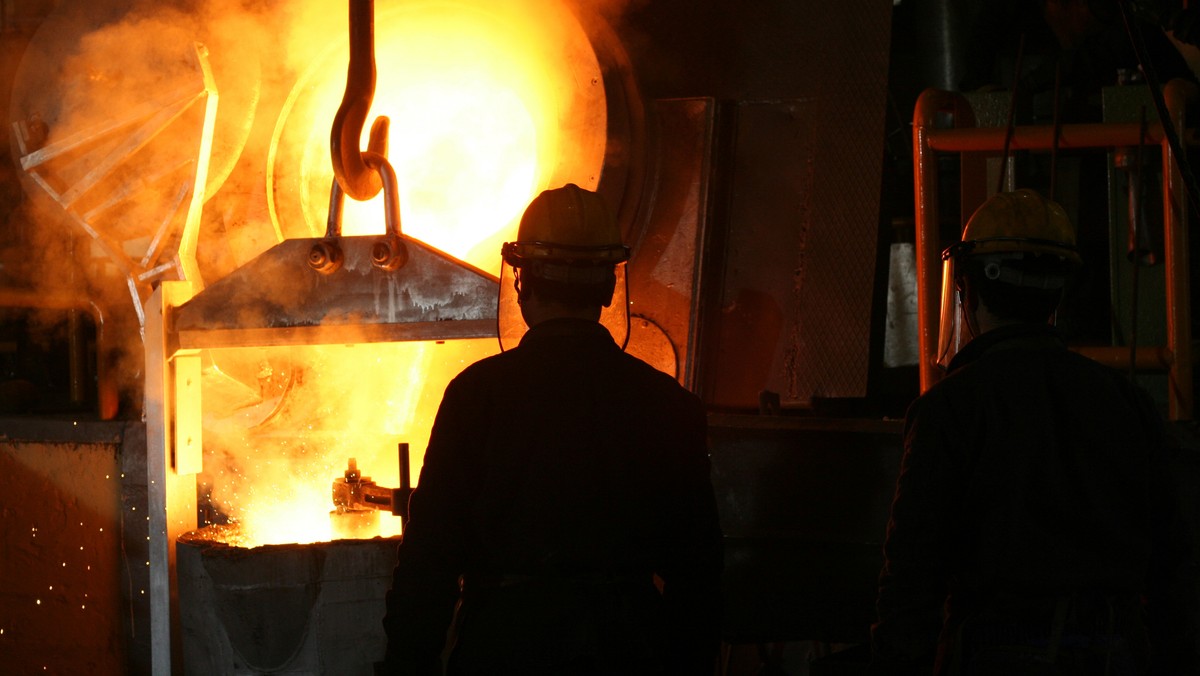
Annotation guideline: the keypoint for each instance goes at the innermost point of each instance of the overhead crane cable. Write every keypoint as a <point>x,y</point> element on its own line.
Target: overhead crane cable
<point>1057,128</point>
<point>1012,114</point>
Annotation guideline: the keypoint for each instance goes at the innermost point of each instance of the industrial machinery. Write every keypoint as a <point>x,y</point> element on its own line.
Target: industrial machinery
<point>355,495</point>
<point>276,319</point>
<point>386,297</point>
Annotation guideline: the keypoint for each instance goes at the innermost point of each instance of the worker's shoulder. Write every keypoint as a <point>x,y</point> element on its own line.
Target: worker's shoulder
<point>639,368</point>
<point>657,393</point>
<point>1021,372</point>
<point>608,366</point>
<point>487,368</point>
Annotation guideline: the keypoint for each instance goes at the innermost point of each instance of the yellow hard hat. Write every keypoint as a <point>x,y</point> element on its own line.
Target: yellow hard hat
<point>567,226</point>
<point>1021,221</point>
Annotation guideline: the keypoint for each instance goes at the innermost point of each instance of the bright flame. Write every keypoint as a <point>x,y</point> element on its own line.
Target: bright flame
<point>487,107</point>
<point>489,104</point>
<point>272,454</point>
<point>465,149</point>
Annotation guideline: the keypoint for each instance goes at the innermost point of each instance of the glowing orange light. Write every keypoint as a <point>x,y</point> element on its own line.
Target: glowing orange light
<point>489,103</point>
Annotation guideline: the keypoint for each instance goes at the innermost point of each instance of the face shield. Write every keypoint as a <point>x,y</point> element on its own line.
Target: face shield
<point>510,323</point>
<point>953,328</point>
<point>959,324</point>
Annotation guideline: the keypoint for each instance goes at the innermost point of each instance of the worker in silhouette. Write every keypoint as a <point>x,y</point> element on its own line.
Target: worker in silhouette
<point>565,502</point>
<point>1058,61</point>
<point>1036,526</point>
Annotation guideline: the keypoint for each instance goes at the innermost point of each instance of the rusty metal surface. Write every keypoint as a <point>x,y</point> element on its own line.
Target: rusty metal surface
<point>832,311</point>
<point>278,299</point>
<point>666,267</point>
<point>794,308</point>
<point>71,486</point>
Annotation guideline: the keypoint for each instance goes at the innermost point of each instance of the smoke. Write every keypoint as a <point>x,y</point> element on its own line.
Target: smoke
<point>103,71</point>
<point>115,90</point>
<point>107,118</point>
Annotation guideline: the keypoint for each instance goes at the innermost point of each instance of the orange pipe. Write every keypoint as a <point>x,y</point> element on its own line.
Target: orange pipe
<point>1072,136</point>
<point>928,247</point>
<point>1178,93</point>
<point>1175,357</point>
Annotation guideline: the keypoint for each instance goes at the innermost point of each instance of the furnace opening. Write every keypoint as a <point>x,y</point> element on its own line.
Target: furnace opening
<point>489,104</point>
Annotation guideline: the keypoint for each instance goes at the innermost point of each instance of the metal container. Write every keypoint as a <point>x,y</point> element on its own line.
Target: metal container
<point>282,609</point>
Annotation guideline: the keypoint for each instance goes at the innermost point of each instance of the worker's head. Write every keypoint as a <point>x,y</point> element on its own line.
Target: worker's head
<point>1014,262</point>
<point>567,260</point>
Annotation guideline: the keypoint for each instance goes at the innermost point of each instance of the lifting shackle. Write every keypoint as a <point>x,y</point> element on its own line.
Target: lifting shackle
<point>361,174</point>
<point>388,252</point>
<point>350,168</point>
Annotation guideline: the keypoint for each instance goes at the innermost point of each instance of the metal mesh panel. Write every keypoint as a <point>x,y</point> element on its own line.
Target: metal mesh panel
<point>795,307</point>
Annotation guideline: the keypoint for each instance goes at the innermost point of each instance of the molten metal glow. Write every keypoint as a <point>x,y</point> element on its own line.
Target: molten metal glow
<point>271,455</point>
<point>468,176</point>
<point>489,103</point>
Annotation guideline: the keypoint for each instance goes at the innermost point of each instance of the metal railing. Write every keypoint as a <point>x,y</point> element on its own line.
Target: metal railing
<point>974,143</point>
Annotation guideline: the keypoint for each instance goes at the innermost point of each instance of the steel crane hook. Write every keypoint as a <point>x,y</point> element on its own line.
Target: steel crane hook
<point>356,178</point>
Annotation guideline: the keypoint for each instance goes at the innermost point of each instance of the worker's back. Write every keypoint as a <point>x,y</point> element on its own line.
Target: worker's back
<point>586,476</point>
<point>1045,478</point>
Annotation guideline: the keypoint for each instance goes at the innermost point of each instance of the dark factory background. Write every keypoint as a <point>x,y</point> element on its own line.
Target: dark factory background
<point>760,159</point>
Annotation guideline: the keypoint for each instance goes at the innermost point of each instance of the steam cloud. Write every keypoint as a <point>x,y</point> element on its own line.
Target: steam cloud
<point>94,78</point>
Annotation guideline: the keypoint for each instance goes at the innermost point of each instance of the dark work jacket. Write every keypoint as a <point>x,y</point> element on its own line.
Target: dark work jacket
<point>1034,481</point>
<point>561,478</point>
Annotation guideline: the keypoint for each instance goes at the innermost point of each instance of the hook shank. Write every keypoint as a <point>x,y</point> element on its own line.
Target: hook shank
<point>357,179</point>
